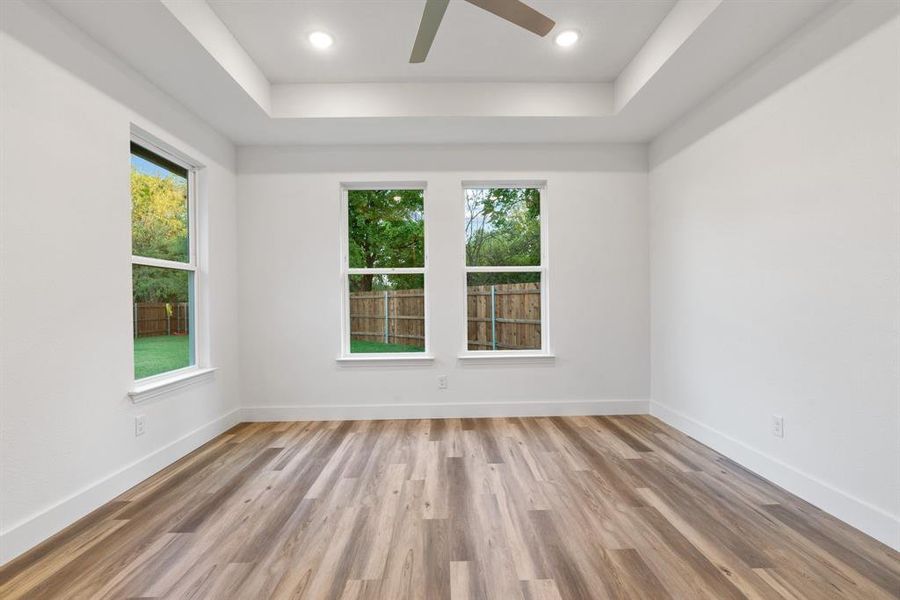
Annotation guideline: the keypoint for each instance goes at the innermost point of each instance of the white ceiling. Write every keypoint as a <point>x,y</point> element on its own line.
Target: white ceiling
<point>374,39</point>
<point>700,50</point>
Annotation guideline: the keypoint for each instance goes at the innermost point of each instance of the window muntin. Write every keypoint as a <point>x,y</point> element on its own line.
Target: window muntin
<point>163,264</point>
<point>505,270</point>
<point>384,271</point>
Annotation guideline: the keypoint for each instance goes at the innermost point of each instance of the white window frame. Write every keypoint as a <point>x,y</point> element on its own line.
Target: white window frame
<point>411,358</point>
<point>544,269</point>
<point>155,385</point>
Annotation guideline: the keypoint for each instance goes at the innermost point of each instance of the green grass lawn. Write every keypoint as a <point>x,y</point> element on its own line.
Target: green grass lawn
<point>366,346</point>
<point>161,353</point>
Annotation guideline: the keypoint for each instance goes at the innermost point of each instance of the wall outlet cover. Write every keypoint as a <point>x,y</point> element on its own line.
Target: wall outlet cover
<point>778,426</point>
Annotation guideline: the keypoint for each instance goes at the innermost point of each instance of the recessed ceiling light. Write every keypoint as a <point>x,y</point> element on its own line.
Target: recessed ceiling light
<point>320,40</point>
<point>567,38</point>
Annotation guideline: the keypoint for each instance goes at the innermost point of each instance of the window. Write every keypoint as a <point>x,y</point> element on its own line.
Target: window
<point>384,271</point>
<point>506,270</point>
<point>163,263</point>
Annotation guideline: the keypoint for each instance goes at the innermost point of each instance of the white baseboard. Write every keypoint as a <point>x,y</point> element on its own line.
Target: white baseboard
<point>339,412</point>
<point>27,534</point>
<point>869,519</point>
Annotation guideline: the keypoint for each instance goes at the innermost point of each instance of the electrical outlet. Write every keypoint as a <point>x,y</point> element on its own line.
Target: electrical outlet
<point>139,425</point>
<point>442,382</point>
<point>778,426</point>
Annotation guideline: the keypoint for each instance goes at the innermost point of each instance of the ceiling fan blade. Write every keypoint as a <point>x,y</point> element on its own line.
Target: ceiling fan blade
<point>518,13</point>
<point>428,26</point>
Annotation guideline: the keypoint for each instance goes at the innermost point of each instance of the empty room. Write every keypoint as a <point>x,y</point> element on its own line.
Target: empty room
<point>450,299</point>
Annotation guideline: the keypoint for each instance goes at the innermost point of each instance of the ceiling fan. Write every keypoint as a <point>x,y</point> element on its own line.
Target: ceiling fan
<point>514,11</point>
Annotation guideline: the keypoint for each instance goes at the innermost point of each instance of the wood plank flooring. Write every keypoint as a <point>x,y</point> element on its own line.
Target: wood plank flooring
<point>456,509</point>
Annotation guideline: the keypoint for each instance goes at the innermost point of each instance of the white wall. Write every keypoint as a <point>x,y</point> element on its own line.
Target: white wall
<point>289,206</point>
<point>66,424</point>
<point>775,253</point>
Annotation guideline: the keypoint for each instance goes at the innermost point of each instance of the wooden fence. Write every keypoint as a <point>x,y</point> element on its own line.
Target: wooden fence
<point>389,317</point>
<point>152,318</point>
<point>500,317</point>
<point>504,317</point>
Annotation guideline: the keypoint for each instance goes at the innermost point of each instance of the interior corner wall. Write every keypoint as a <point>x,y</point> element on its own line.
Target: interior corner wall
<point>775,285</point>
<point>67,438</point>
<point>290,288</point>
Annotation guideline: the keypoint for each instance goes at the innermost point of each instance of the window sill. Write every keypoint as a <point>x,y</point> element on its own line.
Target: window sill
<point>154,387</point>
<point>523,358</point>
<point>404,360</point>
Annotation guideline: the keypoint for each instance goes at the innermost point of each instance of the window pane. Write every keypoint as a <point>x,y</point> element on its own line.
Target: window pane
<point>161,312</point>
<point>387,313</point>
<point>386,228</point>
<point>159,208</point>
<point>503,227</point>
<point>503,311</point>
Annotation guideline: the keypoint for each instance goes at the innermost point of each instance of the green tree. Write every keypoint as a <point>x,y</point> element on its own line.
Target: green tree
<point>503,228</point>
<point>155,284</point>
<point>387,230</point>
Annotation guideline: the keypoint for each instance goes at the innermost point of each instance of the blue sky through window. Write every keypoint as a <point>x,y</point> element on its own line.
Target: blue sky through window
<point>143,165</point>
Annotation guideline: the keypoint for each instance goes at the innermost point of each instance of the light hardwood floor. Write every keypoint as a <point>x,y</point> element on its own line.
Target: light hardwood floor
<point>512,509</point>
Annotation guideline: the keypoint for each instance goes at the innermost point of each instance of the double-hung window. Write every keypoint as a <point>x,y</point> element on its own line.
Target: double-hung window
<point>506,270</point>
<point>384,271</point>
<point>163,263</point>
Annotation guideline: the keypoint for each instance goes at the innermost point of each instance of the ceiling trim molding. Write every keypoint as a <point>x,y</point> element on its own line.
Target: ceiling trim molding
<point>842,24</point>
<point>390,100</point>
<point>211,33</point>
<point>681,23</point>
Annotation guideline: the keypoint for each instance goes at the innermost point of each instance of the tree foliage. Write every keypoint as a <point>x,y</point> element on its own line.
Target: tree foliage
<point>386,230</point>
<point>159,229</point>
<point>155,284</point>
<point>503,228</point>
